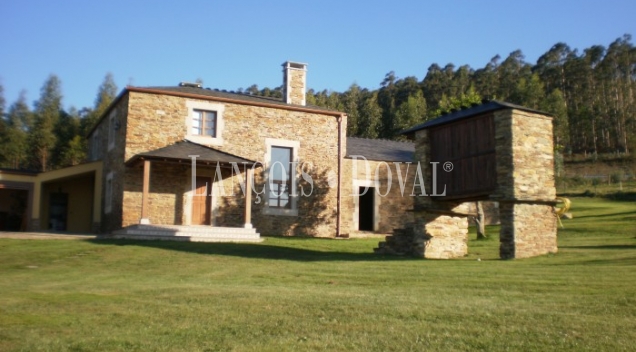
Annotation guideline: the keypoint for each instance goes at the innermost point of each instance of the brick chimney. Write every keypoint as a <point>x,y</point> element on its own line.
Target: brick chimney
<point>294,82</point>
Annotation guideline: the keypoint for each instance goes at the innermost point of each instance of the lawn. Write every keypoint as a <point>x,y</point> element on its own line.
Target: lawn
<point>291,294</point>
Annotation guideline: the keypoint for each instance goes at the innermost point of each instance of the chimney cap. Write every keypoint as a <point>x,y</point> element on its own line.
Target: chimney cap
<point>295,64</point>
<point>190,84</point>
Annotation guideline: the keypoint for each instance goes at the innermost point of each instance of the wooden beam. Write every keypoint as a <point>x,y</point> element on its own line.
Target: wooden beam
<point>248,198</point>
<point>145,193</point>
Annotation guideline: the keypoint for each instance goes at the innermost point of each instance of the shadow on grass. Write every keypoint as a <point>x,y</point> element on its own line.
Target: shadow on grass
<point>632,213</point>
<point>608,246</point>
<point>258,250</point>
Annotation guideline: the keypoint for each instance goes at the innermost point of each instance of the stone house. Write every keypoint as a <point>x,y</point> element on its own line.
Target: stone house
<point>200,164</point>
<point>207,165</point>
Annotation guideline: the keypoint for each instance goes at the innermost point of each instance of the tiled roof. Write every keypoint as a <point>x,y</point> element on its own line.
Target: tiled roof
<point>380,149</point>
<point>182,150</point>
<point>486,107</point>
<point>215,93</point>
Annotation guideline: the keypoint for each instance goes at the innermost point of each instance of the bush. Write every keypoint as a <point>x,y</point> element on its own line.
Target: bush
<point>616,178</point>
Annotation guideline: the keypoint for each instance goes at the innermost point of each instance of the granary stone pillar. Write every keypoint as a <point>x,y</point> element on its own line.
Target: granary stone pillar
<point>441,228</point>
<point>525,184</point>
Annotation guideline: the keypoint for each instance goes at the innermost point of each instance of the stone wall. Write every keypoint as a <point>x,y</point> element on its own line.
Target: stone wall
<point>393,205</point>
<point>155,121</point>
<point>113,161</point>
<point>527,230</point>
<point>525,175</point>
<point>525,156</point>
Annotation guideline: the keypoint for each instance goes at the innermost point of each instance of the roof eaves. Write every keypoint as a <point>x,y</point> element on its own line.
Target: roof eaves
<point>235,100</point>
<point>489,106</point>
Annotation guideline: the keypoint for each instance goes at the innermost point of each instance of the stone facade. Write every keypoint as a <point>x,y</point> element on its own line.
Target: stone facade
<point>528,230</point>
<point>525,156</point>
<point>148,121</point>
<point>107,142</point>
<point>526,190</point>
<point>393,201</point>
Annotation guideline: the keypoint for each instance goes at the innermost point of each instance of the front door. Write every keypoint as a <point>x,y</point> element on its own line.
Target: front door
<point>201,201</point>
<point>366,209</point>
<point>58,209</point>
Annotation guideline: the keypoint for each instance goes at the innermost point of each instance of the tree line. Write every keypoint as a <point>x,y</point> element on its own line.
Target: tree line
<point>590,93</point>
<point>46,136</point>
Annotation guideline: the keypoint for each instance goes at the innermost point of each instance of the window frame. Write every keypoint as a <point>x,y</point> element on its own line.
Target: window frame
<point>95,152</point>
<point>194,106</point>
<point>108,193</point>
<point>202,120</point>
<point>294,146</point>
<point>112,129</point>
<point>281,187</point>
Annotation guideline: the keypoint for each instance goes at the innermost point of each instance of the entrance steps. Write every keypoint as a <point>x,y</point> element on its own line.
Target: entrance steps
<point>194,233</point>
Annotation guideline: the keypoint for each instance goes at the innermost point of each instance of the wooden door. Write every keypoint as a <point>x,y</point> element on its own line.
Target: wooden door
<point>201,202</point>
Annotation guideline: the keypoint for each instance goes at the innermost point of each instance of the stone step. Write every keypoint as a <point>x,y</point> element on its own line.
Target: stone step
<point>188,233</point>
<point>182,238</point>
<point>189,229</point>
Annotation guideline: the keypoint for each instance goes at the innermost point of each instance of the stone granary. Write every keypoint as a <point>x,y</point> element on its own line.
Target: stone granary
<point>495,151</point>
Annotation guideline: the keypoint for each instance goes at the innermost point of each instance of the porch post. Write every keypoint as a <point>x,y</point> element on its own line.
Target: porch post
<point>144,197</point>
<point>248,198</point>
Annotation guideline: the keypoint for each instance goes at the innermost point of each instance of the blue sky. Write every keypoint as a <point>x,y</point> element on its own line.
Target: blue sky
<point>232,44</point>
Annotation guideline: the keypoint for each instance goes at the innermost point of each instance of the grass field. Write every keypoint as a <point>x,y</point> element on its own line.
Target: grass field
<point>290,294</point>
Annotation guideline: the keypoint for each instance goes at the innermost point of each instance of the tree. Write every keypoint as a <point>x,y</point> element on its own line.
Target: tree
<point>106,93</point>
<point>480,221</point>
<point>47,113</point>
<point>66,129</point>
<point>410,112</point>
<point>486,80</point>
<point>386,100</point>
<point>3,124</point>
<point>370,115</point>
<point>529,92</point>
<point>351,102</point>
<point>2,101</point>
<point>13,145</point>
<point>447,104</point>
<point>511,70</point>
<point>554,104</point>
<point>75,151</point>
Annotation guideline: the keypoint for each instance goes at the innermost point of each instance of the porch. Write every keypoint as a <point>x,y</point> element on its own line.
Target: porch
<point>181,197</point>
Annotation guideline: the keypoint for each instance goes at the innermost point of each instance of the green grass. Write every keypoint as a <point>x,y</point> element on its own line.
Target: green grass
<point>295,294</point>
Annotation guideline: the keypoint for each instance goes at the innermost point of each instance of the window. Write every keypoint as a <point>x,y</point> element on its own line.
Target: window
<point>113,126</point>
<point>281,158</point>
<point>95,152</point>
<point>203,123</point>
<point>280,177</point>
<point>108,196</point>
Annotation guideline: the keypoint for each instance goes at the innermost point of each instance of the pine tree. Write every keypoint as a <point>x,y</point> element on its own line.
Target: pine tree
<point>410,112</point>
<point>66,129</point>
<point>13,145</point>
<point>370,116</point>
<point>47,113</point>
<point>351,105</point>
<point>106,93</point>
